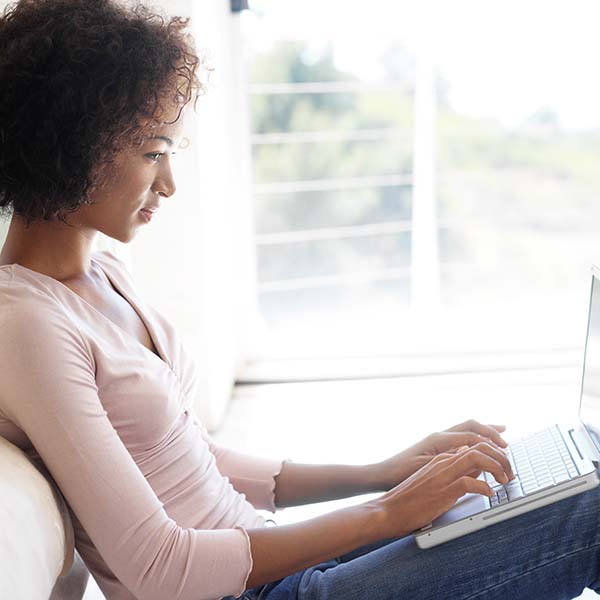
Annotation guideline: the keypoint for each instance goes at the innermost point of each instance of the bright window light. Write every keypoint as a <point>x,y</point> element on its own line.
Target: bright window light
<point>426,175</point>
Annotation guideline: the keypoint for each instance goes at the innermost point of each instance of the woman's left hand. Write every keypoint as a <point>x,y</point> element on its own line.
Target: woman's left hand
<point>396,469</point>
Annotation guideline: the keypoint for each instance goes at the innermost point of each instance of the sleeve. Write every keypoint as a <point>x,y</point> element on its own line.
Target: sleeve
<point>49,390</point>
<point>253,476</point>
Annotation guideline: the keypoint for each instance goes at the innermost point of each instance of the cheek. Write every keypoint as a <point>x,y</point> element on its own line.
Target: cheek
<point>126,188</point>
<point>130,192</point>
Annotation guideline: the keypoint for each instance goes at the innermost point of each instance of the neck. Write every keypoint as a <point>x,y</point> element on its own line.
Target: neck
<point>49,247</point>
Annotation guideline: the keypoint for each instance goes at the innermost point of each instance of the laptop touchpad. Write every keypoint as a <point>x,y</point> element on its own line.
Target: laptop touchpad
<point>465,507</point>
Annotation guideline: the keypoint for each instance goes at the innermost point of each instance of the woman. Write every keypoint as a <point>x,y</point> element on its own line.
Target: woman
<point>96,384</point>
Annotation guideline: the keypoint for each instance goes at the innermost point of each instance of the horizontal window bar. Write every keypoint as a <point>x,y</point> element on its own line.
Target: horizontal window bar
<point>310,137</point>
<point>318,185</point>
<point>324,87</point>
<point>371,229</point>
<point>333,233</point>
<point>302,283</point>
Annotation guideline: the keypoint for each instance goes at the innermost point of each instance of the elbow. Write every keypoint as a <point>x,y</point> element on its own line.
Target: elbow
<point>175,566</point>
<point>163,571</point>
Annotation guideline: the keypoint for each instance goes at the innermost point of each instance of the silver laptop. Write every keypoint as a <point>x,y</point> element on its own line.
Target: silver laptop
<point>549,465</point>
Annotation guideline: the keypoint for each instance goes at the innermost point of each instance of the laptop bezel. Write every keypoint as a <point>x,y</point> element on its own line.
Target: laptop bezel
<point>590,450</point>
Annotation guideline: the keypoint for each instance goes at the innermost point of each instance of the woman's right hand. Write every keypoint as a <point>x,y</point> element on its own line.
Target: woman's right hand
<point>413,503</point>
<point>434,489</point>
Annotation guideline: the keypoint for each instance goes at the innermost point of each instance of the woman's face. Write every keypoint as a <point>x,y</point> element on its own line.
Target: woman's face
<point>137,179</point>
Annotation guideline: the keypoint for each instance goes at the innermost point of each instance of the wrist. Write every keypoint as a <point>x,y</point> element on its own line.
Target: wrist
<point>375,525</point>
<point>376,477</point>
<point>391,518</point>
<point>389,473</point>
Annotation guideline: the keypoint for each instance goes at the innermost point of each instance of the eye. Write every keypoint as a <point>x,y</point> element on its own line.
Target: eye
<point>154,156</point>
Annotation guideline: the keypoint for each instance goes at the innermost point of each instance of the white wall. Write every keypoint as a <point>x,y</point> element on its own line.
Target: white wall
<point>195,261</point>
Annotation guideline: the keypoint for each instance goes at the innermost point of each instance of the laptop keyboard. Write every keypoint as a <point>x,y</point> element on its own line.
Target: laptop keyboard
<point>539,460</point>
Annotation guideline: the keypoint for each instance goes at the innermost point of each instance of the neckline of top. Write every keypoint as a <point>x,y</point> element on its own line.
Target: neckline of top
<point>119,289</point>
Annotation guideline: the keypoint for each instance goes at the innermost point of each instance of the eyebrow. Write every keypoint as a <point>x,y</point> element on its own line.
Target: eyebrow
<point>162,137</point>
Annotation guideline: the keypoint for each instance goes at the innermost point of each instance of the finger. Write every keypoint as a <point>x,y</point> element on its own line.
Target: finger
<point>474,474</point>
<point>500,457</point>
<point>493,432</point>
<point>468,485</point>
<point>454,440</point>
<point>442,457</point>
<point>487,431</point>
<point>497,455</point>
<point>475,459</point>
<point>459,449</point>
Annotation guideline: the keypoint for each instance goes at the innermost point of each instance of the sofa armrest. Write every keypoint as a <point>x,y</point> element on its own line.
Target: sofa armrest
<point>36,545</point>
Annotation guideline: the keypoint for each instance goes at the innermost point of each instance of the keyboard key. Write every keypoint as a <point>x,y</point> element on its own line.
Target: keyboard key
<point>514,491</point>
<point>546,486</point>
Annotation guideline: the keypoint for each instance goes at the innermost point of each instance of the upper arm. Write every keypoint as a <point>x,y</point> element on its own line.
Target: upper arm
<point>48,389</point>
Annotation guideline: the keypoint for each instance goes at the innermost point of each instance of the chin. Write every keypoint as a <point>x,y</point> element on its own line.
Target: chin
<point>122,236</point>
<point>128,238</point>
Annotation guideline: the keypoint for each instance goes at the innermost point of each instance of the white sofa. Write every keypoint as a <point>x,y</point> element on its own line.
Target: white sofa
<point>37,556</point>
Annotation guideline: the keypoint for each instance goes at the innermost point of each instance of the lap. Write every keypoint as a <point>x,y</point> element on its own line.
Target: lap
<point>550,553</point>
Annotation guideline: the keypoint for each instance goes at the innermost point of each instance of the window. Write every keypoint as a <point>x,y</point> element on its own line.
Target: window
<point>423,184</point>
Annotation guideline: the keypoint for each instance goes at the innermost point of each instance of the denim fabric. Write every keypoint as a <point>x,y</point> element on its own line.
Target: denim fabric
<point>552,553</point>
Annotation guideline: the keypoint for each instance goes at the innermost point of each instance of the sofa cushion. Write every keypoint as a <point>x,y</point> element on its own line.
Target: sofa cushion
<point>36,545</point>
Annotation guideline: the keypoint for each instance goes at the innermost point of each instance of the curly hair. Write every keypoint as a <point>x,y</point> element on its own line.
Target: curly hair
<point>81,81</point>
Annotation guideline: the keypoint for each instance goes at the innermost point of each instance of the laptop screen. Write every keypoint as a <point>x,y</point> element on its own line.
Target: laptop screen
<point>589,410</point>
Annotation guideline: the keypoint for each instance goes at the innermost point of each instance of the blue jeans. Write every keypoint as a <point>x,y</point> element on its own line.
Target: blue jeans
<point>551,553</point>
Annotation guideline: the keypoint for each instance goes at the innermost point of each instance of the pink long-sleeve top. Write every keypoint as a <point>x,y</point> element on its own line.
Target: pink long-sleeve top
<point>159,510</point>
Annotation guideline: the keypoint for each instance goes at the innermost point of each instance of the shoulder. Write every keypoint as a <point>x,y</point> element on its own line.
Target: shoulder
<point>40,343</point>
<point>31,315</point>
<point>21,299</point>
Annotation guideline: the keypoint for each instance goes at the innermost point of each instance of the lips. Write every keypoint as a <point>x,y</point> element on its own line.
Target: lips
<point>147,215</point>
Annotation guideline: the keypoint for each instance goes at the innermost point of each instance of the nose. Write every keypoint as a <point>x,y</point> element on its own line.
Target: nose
<point>164,184</point>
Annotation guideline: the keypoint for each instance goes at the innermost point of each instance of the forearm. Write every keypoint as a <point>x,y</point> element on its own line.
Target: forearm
<point>299,483</point>
<point>286,549</point>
